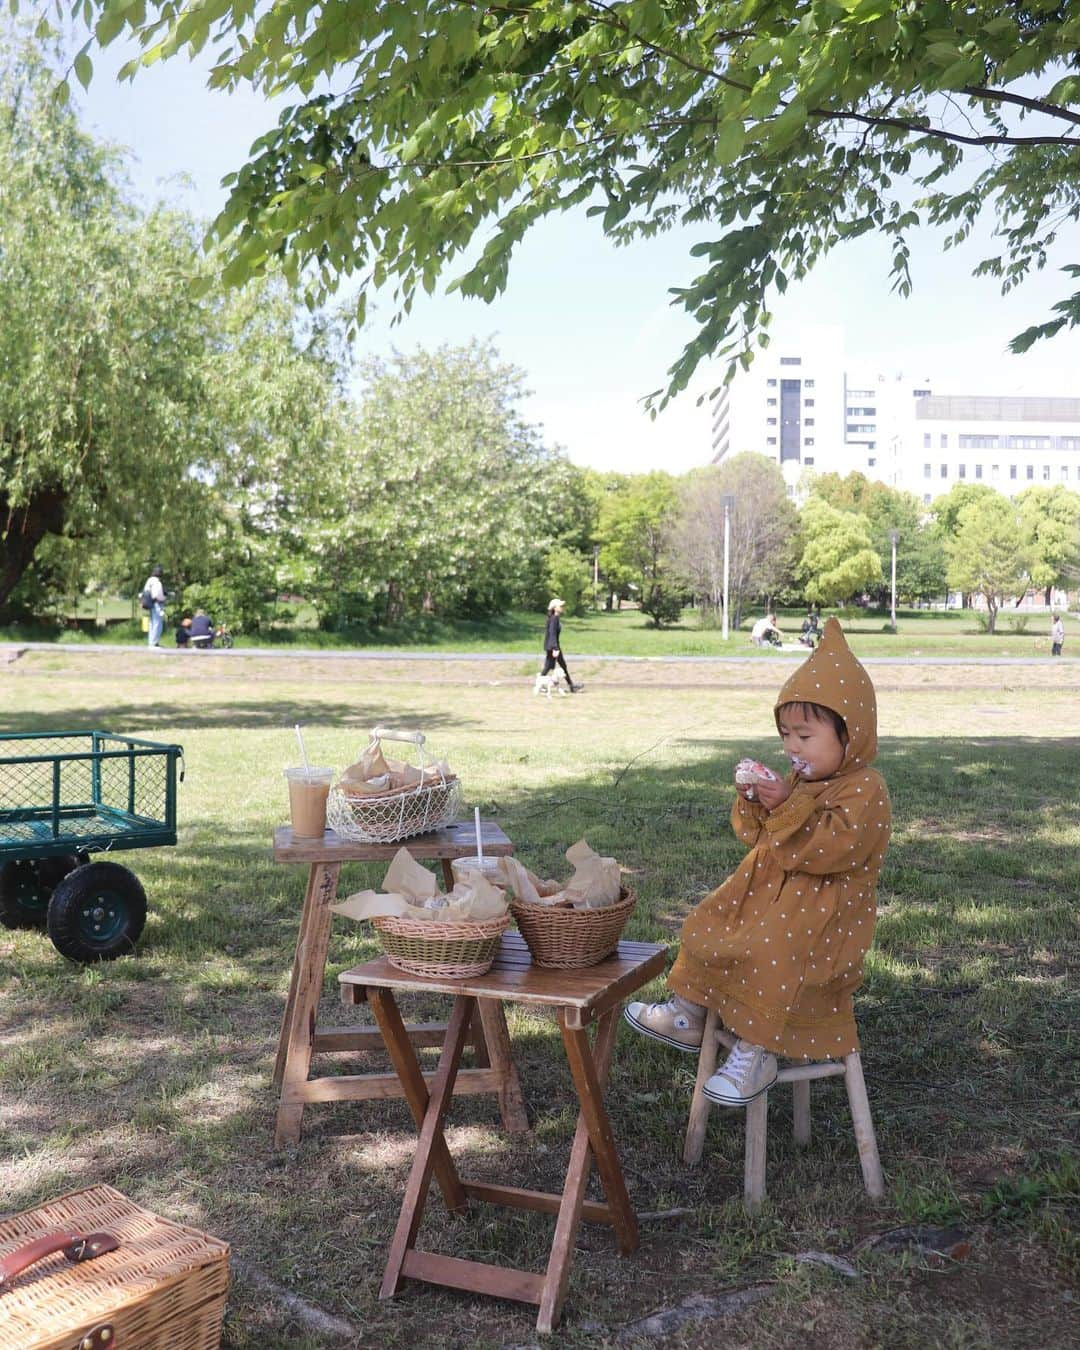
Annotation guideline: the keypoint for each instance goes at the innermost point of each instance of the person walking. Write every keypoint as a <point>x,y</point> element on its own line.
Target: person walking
<point>552,641</point>
<point>155,591</point>
<point>1057,635</point>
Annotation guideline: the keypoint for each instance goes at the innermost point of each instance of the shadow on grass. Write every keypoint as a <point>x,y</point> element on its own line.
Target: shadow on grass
<point>257,713</point>
<point>154,1072</point>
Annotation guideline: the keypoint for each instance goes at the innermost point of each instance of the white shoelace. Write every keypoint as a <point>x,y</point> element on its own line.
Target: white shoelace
<point>738,1063</point>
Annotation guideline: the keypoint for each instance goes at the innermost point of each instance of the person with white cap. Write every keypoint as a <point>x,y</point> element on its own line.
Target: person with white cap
<point>552,641</point>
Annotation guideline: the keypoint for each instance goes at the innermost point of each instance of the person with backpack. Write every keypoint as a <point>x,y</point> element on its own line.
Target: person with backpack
<point>153,601</point>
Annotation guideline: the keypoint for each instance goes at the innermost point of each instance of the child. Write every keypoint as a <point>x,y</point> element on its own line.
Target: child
<point>777,950</point>
<point>1057,636</point>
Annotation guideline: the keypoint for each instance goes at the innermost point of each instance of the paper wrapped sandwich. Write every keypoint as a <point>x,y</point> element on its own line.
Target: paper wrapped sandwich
<point>596,882</point>
<point>410,891</point>
<point>373,775</point>
<point>751,771</point>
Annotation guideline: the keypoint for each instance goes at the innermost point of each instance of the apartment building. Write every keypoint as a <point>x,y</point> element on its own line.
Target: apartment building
<point>789,405</point>
<point>1008,442</point>
<point>801,405</point>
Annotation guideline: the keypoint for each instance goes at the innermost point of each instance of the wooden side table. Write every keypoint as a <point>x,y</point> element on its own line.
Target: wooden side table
<point>300,1038</point>
<point>577,998</point>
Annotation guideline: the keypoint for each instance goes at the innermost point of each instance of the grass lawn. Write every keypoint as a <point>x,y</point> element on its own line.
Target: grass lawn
<point>153,1073</point>
<point>629,633</point>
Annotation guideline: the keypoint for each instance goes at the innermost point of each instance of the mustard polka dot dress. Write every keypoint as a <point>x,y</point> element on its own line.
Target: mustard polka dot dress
<point>778,949</point>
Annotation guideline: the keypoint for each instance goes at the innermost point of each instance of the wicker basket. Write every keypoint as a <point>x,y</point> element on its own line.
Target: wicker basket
<point>395,815</point>
<point>566,939</point>
<point>163,1288</point>
<point>436,950</point>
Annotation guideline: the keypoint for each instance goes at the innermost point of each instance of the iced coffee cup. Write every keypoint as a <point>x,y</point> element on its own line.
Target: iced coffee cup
<point>488,866</point>
<point>308,791</point>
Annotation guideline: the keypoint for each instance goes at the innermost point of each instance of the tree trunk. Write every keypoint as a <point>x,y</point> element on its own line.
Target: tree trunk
<point>24,529</point>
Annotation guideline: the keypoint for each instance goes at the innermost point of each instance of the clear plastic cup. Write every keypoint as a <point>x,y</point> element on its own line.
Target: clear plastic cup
<point>308,791</point>
<point>488,866</point>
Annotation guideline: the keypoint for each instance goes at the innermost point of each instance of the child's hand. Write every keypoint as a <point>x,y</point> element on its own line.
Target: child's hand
<point>773,794</point>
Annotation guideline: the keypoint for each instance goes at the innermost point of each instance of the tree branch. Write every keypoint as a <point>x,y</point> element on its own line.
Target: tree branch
<point>1036,105</point>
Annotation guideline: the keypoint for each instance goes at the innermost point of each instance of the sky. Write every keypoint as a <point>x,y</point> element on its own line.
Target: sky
<point>591,325</point>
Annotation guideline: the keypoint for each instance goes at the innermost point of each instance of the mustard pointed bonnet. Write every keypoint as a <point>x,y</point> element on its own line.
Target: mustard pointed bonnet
<point>833,678</point>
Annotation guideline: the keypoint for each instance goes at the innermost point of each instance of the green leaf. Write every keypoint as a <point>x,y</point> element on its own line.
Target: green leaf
<point>109,25</point>
<point>84,69</point>
<point>730,140</point>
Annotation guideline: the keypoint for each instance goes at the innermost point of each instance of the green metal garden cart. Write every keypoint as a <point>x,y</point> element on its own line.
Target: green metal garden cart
<point>63,796</point>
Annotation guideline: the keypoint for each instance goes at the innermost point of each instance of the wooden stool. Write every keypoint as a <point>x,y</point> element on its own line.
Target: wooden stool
<point>800,1077</point>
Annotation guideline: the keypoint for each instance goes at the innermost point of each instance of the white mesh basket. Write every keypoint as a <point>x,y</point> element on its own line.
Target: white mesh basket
<point>396,815</point>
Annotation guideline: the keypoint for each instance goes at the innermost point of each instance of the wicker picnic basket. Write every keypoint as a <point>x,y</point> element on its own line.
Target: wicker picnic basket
<point>397,815</point>
<point>566,939</point>
<point>162,1288</point>
<point>436,950</point>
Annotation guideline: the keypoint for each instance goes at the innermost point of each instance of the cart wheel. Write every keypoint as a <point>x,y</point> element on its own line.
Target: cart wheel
<point>25,888</point>
<point>225,640</point>
<point>97,913</point>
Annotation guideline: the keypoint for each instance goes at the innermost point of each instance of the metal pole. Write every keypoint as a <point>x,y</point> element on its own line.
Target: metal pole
<point>894,581</point>
<point>727,557</point>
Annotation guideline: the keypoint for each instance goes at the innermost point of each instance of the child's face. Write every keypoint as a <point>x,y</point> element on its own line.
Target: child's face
<point>813,746</point>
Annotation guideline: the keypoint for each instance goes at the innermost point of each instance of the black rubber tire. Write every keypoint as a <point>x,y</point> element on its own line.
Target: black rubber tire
<point>26,887</point>
<point>97,913</point>
<point>225,641</point>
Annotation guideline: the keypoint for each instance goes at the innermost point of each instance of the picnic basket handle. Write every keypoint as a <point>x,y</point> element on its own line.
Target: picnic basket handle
<point>404,734</point>
<point>398,734</point>
<point>75,1247</point>
<point>101,1337</point>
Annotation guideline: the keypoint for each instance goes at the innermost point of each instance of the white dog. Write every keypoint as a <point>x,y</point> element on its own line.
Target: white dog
<point>550,684</point>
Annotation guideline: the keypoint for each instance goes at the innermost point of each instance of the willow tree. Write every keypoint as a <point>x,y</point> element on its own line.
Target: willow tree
<point>140,419</point>
<point>423,138</point>
<point>98,345</point>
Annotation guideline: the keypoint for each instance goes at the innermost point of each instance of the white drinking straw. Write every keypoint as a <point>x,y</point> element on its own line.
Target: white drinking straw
<point>300,741</point>
<point>479,841</point>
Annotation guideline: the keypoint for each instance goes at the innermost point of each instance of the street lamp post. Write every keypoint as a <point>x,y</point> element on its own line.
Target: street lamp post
<point>894,535</point>
<point>729,502</point>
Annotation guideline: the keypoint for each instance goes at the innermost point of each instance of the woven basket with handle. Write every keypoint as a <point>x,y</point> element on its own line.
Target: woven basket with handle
<point>428,805</point>
<point>156,1286</point>
<point>437,950</point>
<point>566,939</point>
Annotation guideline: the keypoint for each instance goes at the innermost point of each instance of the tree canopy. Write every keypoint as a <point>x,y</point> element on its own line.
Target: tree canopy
<point>1050,517</point>
<point>99,341</point>
<point>425,137</point>
<point>987,553</point>
<point>446,501</point>
<point>920,556</point>
<point>838,559</point>
<point>763,532</point>
<point>139,423</point>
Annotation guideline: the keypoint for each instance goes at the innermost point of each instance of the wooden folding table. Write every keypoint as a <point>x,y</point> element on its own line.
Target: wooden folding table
<point>300,1038</point>
<point>577,998</point>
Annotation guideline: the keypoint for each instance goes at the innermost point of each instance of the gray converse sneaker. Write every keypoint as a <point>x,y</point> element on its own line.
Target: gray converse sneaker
<point>747,1072</point>
<point>668,1022</point>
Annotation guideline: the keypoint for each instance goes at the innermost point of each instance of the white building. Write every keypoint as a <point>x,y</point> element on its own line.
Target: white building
<point>1008,442</point>
<point>801,405</point>
<point>789,405</point>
